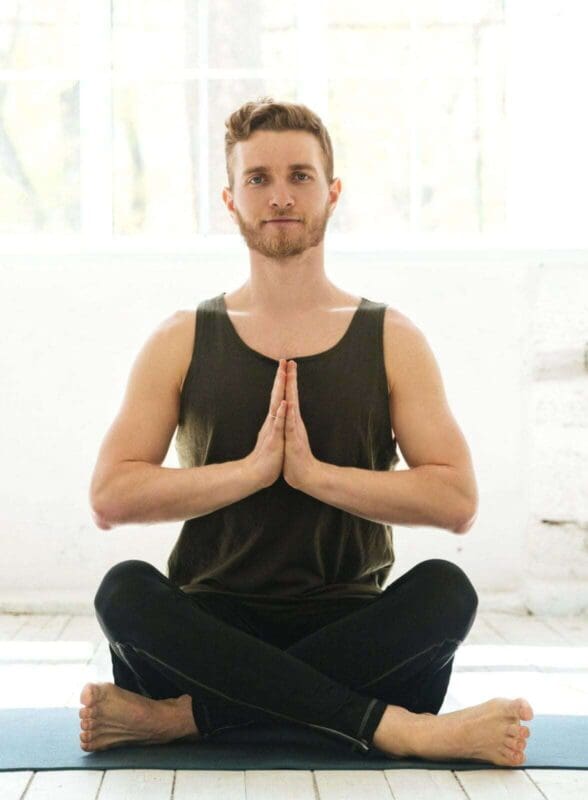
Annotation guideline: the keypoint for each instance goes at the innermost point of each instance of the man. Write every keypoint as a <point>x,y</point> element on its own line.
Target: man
<point>283,393</point>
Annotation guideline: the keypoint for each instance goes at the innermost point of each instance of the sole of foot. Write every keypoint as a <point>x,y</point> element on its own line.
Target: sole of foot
<point>490,732</point>
<point>114,717</point>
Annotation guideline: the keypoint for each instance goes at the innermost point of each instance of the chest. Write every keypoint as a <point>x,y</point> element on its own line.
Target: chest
<point>303,337</point>
<point>289,339</point>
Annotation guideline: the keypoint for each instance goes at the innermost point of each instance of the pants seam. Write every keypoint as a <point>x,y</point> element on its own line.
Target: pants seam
<point>366,716</point>
<point>438,645</point>
<point>235,725</point>
<point>361,742</point>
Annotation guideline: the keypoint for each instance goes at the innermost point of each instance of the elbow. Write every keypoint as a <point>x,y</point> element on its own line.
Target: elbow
<point>101,516</point>
<point>100,520</point>
<point>468,507</point>
<point>466,521</point>
<point>97,505</point>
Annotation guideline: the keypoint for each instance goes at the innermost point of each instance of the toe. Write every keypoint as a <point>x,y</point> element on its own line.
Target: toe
<point>525,710</point>
<point>86,695</point>
<point>91,694</point>
<point>513,757</point>
<point>514,743</point>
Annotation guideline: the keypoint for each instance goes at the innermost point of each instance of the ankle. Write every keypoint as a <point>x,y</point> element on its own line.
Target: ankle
<point>182,716</point>
<point>395,732</point>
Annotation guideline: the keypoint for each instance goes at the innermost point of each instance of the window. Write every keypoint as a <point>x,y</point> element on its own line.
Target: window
<point>112,114</point>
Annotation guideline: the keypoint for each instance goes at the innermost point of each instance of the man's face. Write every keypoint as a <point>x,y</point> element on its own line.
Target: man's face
<point>281,191</point>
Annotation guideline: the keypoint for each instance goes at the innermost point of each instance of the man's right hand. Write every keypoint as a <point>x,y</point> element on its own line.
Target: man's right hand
<point>266,460</point>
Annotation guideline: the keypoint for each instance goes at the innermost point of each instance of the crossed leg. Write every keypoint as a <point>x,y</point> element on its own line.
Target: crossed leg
<point>395,649</point>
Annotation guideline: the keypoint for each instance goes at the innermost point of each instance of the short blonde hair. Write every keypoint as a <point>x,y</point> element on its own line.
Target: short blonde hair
<point>267,115</point>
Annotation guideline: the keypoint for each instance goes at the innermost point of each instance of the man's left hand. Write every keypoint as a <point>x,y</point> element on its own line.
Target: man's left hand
<point>299,462</point>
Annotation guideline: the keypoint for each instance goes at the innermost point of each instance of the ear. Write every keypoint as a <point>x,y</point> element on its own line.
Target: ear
<point>227,199</point>
<point>334,192</point>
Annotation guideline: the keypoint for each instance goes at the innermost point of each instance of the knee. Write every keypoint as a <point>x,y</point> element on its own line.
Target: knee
<point>120,583</point>
<point>453,586</point>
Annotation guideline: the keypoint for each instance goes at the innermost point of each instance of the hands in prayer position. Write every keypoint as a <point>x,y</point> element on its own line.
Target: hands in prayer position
<point>282,443</point>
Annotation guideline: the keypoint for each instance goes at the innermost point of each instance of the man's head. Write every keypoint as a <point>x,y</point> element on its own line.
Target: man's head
<point>266,115</point>
<point>294,149</point>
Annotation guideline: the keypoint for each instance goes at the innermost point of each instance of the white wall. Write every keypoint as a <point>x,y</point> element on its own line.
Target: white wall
<point>503,328</point>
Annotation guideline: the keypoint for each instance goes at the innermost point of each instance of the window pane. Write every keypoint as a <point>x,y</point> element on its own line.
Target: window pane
<point>459,11</point>
<point>39,34</point>
<point>227,96</point>
<point>372,13</point>
<point>423,12</point>
<point>371,152</point>
<point>428,106</point>
<point>455,152</point>
<point>492,126</point>
<point>378,50</point>
<point>39,157</point>
<point>152,35</point>
<point>156,173</point>
<point>258,33</point>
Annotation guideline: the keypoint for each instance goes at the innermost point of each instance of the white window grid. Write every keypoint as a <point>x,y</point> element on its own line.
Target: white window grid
<point>96,151</point>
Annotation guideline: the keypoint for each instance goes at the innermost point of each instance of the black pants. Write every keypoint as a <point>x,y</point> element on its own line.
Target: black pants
<point>331,664</point>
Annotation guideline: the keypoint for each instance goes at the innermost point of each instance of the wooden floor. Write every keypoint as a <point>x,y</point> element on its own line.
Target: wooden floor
<point>46,659</point>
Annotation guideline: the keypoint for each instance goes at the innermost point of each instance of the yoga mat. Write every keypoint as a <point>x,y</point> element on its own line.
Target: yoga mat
<point>48,739</point>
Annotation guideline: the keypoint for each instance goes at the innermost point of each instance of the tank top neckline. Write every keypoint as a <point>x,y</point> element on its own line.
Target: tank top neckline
<point>311,357</point>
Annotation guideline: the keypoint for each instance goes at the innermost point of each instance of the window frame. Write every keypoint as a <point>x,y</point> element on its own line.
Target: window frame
<point>96,155</point>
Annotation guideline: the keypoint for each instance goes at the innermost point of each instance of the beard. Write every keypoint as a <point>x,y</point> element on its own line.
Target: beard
<point>284,241</point>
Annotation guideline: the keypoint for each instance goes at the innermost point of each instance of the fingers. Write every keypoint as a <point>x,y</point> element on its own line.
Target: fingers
<point>280,390</point>
<point>280,418</point>
<point>278,387</point>
<point>292,387</point>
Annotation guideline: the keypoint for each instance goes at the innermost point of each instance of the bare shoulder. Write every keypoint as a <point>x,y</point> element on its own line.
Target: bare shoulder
<point>170,345</point>
<point>184,320</point>
<point>403,341</point>
<point>183,326</point>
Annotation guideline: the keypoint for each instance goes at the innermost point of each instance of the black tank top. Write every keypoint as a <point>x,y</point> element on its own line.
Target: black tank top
<point>280,544</point>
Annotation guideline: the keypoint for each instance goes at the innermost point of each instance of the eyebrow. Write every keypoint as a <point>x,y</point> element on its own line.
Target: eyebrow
<point>267,169</point>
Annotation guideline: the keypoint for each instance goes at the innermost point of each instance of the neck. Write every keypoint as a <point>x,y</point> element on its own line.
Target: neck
<point>287,295</point>
<point>284,287</point>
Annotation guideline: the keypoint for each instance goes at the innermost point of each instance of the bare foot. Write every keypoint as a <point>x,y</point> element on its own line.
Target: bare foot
<point>489,732</point>
<point>112,717</point>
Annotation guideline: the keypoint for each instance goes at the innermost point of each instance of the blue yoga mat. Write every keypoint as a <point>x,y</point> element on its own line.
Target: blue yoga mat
<point>48,739</point>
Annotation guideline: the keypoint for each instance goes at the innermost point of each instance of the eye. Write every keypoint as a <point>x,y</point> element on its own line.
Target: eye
<point>261,176</point>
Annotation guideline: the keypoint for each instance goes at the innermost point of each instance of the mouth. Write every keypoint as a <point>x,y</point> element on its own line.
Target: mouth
<point>282,221</point>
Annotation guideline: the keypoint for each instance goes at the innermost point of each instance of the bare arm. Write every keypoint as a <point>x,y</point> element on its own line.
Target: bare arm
<point>139,492</point>
<point>439,489</point>
<point>129,485</point>
<point>429,495</point>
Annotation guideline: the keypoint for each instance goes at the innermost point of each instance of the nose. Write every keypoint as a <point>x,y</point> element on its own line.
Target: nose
<point>281,207</point>
<point>281,198</point>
